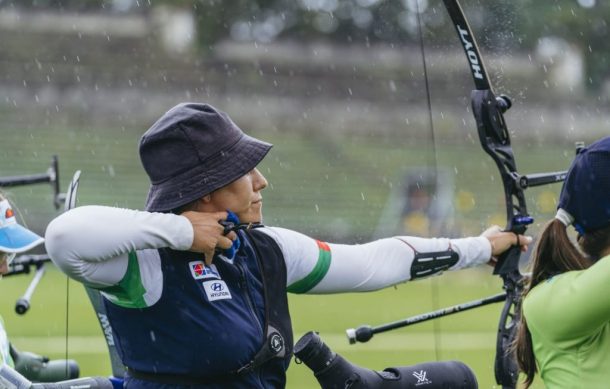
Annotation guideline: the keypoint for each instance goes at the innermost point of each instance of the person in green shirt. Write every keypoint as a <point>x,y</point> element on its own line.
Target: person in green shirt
<point>564,332</point>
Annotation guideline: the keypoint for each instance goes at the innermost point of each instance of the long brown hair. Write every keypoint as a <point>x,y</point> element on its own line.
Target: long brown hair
<point>555,254</point>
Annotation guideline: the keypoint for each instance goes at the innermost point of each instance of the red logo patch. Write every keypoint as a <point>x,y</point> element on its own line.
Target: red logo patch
<point>9,213</point>
<point>198,269</point>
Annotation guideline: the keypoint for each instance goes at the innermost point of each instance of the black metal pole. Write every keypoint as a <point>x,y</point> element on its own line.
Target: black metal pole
<point>365,333</point>
<point>21,264</point>
<point>25,180</point>
<point>538,179</point>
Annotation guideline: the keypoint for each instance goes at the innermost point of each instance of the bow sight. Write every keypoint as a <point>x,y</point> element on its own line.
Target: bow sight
<point>51,176</point>
<point>23,263</point>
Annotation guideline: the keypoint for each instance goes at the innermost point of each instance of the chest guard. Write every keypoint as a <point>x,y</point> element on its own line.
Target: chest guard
<point>212,325</point>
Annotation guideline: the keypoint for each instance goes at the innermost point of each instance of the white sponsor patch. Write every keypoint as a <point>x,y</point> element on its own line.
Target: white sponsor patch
<point>216,290</point>
<point>200,271</point>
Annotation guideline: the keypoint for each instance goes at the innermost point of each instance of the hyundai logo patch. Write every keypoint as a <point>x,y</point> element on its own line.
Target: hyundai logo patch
<point>216,290</point>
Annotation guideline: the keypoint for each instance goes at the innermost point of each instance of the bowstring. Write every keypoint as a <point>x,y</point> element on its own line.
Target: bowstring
<point>67,319</point>
<point>433,161</point>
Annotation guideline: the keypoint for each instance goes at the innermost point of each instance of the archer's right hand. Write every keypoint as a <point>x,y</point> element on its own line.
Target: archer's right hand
<point>208,233</point>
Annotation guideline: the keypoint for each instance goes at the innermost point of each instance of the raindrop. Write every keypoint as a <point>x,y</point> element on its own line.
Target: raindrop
<point>326,23</point>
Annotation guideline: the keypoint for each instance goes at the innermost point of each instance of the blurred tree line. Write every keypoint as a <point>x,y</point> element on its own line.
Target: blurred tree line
<point>502,25</point>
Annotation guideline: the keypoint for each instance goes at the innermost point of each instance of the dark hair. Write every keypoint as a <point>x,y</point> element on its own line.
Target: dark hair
<point>555,254</point>
<point>191,206</point>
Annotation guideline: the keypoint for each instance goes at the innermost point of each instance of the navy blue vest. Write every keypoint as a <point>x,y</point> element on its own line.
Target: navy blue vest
<point>196,331</point>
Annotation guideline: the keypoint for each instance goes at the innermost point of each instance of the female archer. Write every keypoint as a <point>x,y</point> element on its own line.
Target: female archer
<point>565,326</point>
<point>193,305</point>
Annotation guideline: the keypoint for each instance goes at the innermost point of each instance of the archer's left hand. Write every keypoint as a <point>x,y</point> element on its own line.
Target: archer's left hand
<point>501,241</point>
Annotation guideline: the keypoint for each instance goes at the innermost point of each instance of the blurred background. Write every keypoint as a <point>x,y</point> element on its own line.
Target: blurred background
<point>339,87</point>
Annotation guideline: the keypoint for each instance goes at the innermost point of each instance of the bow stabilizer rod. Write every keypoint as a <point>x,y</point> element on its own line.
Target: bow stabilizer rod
<point>365,333</point>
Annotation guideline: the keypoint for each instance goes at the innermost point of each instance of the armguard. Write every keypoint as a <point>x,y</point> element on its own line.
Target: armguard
<point>427,264</point>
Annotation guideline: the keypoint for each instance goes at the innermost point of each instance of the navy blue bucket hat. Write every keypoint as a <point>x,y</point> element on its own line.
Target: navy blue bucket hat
<point>586,191</point>
<point>191,151</point>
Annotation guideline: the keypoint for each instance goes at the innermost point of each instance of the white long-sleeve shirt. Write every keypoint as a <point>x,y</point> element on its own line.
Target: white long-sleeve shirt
<point>93,244</point>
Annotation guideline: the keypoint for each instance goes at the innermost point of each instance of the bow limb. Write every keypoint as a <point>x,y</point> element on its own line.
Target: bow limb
<point>495,140</point>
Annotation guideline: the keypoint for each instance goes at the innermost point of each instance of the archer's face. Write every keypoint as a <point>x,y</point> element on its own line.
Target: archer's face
<point>243,197</point>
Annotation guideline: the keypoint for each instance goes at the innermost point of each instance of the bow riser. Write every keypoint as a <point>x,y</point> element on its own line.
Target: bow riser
<point>495,140</point>
<point>505,367</point>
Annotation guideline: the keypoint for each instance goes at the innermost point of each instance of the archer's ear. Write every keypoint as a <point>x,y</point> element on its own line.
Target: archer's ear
<point>201,204</point>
